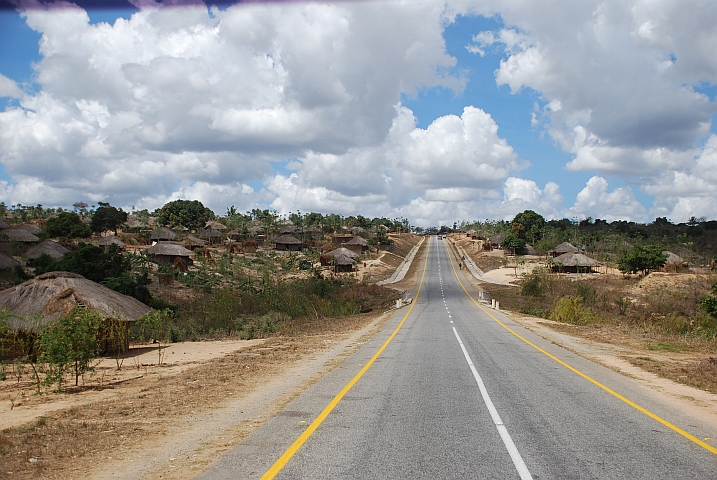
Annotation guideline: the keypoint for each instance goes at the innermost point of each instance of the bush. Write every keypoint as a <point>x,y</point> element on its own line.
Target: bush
<point>70,344</point>
<point>532,286</point>
<point>89,261</point>
<point>587,292</point>
<point>708,303</point>
<point>133,286</point>
<point>571,310</point>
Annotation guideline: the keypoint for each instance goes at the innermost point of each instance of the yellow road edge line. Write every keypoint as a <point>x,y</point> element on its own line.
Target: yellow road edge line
<point>291,451</point>
<point>661,420</point>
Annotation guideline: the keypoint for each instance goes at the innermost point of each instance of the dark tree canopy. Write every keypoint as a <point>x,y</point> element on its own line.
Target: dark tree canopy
<point>68,225</point>
<point>107,217</point>
<point>89,261</point>
<point>528,225</point>
<point>191,214</point>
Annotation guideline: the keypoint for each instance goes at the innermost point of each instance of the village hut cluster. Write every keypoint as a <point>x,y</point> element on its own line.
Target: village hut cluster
<point>44,298</point>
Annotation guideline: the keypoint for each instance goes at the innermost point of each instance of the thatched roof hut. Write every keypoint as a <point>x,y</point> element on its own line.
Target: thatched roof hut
<point>16,234</point>
<point>162,234</point>
<point>675,263</point>
<point>287,229</point>
<point>47,247</point>
<point>342,251</point>
<point>190,242</point>
<point>211,234</point>
<point>7,262</point>
<point>341,263</point>
<point>357,245</point>
<point>111,240</point>
<point>213,224</point>
<point>565,247</point>
<point>234,233</point>
<point>29,227</point>
<point>168,252</point>
<point>574,263</point>
<point>496,240</point>
<point>357,230</point>
<point>51,295</point>
<point>4,225</point>
<point>287,242</point>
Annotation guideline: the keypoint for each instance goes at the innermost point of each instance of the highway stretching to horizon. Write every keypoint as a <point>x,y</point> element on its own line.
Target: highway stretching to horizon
<point>451,389</point>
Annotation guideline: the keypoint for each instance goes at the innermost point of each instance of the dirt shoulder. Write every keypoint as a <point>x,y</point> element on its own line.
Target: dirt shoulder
<point>172,420</point>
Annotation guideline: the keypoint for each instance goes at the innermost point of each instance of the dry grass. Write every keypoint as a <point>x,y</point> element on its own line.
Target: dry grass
<point>696,372</point>
<point>69,443</point>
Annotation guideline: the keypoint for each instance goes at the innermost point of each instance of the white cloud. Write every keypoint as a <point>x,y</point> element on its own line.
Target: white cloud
<point>8,88</point>
<point>455,159</point>
<point>595,201</point>
<point>177,95</point>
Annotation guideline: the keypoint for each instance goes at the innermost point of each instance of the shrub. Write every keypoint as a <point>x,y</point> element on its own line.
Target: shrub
<point>571,310</point>
<point>708,303</point>
<point>70,344</point>
<point>532,286</point>
<point>587,292</point>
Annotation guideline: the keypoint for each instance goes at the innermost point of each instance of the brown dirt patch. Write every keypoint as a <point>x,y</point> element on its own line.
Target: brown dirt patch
<point>142,413</point>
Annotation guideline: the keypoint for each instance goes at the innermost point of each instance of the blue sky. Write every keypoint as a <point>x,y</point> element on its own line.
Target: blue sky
<point>434,111</point>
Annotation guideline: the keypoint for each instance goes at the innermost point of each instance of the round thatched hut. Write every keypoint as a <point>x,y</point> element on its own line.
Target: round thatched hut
<point>357,245</point>
<point>29,227</point>
<point>169,253</point>
<point>47,247</point>
<point>111,240</point>
<point>211,235</point>
<point>7,262</point>
<point>191,242</point>
<point>574,263</point>
<point>17,234</point>
<point>162,234</point>
<point>287,242</point>
<point>52,295</point>
<point>333,256</point>
<point>565,247</point>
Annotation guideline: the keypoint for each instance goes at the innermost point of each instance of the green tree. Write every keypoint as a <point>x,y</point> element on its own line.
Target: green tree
<point>107,217</point>
<point>642,258</point>
<point>512,242</point>
<point>191,214</point>
<point>89,261</point>
<point>68,225</point>
<point>528,226</point>
<point>70,344</point>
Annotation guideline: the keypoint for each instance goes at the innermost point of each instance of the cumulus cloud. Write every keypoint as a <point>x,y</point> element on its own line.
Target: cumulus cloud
<point>454,159</point>
<point>595,201</point>
<point>187,94</point>
<point>610,68</point>
<point>8,88</point>
<point>619,83</point>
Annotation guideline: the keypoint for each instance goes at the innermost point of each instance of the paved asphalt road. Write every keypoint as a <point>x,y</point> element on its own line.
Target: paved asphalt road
<point>419,410</point>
